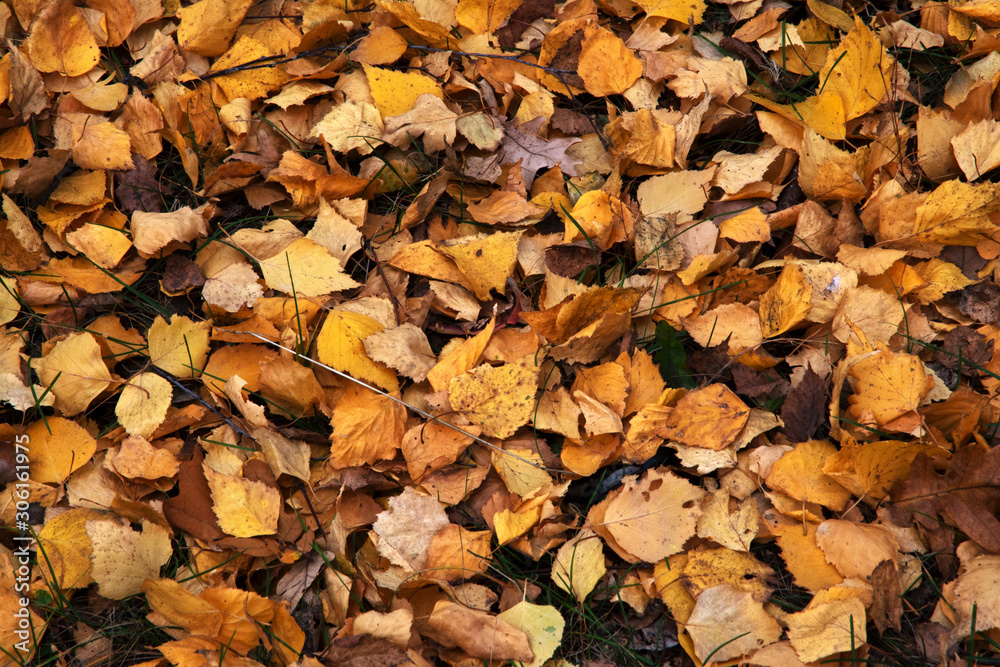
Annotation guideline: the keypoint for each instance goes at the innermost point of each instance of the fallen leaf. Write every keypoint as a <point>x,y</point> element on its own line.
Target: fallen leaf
<point>579,565</point>
<point>653,516</point>
<point>243,507</point>
<point>498,398</point>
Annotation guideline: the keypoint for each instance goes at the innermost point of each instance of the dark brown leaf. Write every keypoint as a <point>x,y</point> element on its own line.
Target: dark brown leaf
<point>962,497</point>
<point>981,302</point>
<point>805,408</point>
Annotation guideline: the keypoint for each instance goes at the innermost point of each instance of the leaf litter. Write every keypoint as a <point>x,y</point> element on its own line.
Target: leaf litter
<point>678,302</point>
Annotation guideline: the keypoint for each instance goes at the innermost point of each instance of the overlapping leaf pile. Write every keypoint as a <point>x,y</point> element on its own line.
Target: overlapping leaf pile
<point>360,297</point>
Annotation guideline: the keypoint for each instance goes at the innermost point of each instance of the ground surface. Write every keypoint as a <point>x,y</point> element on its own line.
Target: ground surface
<point>487,331</point>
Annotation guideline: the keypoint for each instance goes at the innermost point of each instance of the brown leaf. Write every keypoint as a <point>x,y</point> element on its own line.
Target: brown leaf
<point>962,496</point>
<point>887,604</point>
<point>804,410</point>
<point>363,651</point>
<point>479,634</point>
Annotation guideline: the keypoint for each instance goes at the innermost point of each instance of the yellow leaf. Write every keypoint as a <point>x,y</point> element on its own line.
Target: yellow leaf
<point>736,322</point>
<point>437,33</point>
<point>727,623</point>
<point>940,277</point>
<point>424,258</point>
<point>750,226</point>
<point>351,126</point>
<point>858,71</point>
<point>799,474</point>
<point>123,558</point>
<point>804,558</point>
<point>245,360</point>
<point>66,547</point>
<point>830,15</point>
<point>889,385</point>
<point>601,47</point>
<point>75,372</point>
<point>653,516</point>
<point>732,530</point>
<point>284,456</point>
<point>251,84</point>
<point>855,549</point>
<point>58,447</point>
<point>853,80</point>
<point>179,348</point>
<point>341,345</point>
<point>367,427</point>
<point>458,553</point>
<point>208,26</point>
<point>484,16</point>
<point>244,613</point>
<point>957,213</point>
<point>229,616</point>
<point>827,172</point>
<point>396,93</point>
<point>61,41</point>
<point>579,565</point>
<point>289,637</point>
<point>510,525</point>
<point>543,625</point>
<point>644,138</point>
<point>143,404</point>
<point>869,470</point>
<point>707,568</point>
<point>381,46</point>
<point>682,11</point>
<point>245,508</point>
<point>711,417</point>
<point>786,304</point>
<point>137,458</point>
<point>821,630</point>
<point>591,218</point>
<point>498,398</point>
<point>522,474</point>
<point>9,305</point>
<point>463,357</point>
<point>668,587</point>
<point>305,267</point>
<point>583,328</point>
<point>872,311</point>
<point>486,263</point>
<point>104,245</point>
<point>181,607</point>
